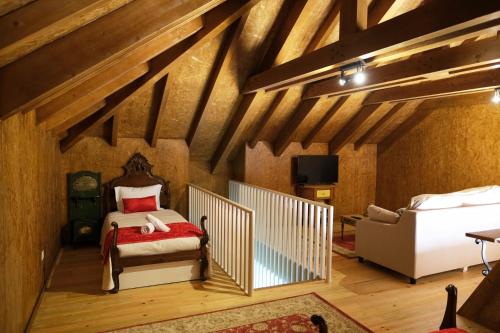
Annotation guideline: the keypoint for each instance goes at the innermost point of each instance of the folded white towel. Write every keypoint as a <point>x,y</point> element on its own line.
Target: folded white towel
<point>159,225</point>
<point>147,228</point>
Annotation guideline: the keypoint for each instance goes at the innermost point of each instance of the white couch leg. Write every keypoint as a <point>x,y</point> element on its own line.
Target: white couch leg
<point>465,269</point>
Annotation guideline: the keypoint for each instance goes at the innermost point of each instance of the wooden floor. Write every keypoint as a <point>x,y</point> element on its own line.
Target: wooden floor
<point>380,299</point>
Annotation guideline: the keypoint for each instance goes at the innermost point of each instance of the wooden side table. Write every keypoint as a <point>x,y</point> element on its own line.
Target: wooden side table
<point>483,304</point>
<point>482,237</point>
<point>350,220</point>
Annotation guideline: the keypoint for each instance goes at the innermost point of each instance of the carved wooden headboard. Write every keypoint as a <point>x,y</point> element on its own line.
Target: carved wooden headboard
<point>137,174</point>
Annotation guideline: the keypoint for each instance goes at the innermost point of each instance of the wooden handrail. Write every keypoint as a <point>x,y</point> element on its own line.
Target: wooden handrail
<point>315,203</point>
<point>246,209</point>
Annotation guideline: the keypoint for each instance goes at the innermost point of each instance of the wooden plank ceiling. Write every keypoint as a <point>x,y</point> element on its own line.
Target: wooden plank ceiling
<point>222,73</point>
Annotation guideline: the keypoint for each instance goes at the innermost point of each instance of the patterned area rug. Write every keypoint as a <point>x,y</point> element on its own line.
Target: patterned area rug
<point>285,315</point>
<point>346,246</point>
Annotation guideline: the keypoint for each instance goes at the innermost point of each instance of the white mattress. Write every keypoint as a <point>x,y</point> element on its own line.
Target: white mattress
<point>146,248</point>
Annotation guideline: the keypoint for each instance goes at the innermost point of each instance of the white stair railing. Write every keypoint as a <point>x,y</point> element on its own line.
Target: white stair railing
<point>293,236</point>
<point>230,227</point>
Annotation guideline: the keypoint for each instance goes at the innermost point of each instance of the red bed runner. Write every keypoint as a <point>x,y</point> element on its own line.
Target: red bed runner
<point>129,235</point>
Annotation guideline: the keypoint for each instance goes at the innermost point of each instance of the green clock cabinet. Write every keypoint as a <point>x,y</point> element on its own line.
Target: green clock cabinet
<point>84,206</point>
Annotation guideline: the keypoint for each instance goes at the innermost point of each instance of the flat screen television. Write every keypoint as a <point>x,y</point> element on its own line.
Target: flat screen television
<point>315,169</point>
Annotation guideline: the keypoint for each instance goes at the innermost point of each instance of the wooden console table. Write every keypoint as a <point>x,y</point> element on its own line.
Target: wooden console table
<point>483,304</point>
<point>323,193</point>
<point>482,237</point>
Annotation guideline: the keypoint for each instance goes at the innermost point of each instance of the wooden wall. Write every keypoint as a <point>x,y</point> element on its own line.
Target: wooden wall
<point>454,148</point>
<point>30,216</point>
<point>357,172</point>
<point>170,160</point>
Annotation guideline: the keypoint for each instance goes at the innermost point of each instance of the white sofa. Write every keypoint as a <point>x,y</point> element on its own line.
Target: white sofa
<point>425,242</point>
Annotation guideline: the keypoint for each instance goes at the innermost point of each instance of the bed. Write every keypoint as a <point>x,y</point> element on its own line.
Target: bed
<point>149,260</point>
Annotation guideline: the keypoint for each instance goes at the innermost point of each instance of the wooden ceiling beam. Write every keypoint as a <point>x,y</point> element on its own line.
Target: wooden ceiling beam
<point>52,117</point>
<point>261,124</point>
<point>63,127</point>
<point>215,21</point>
<point>42,22</point>
<point>7,6</point>
<point>159,114</point>
<point>133,59</point>
<point>435,20</point>
<point>377,10</point>
<point>369,134</point>
<point>325,29</point>
<point>115,129</point>
<point>468,55</point>
<point>455,85</point>
<point>29,80</point>
<point>282,27</point>
<point>80,130</point>
<point>286,134</point>
<point>231,35</point>
<point>353,17</point>
<point>346,133</point>
<point>308,141</point>
<point>416,118</point>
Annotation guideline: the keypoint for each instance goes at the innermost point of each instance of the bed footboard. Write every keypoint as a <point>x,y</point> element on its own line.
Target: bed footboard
<point>203,249</point>
<point>117,265</point>
<point>116,268</point>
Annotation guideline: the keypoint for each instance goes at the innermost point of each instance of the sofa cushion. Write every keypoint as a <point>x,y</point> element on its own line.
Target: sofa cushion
<point>470,197</point>
<point>483,196</point>
<point>380,214</point>
<point>435,201</point>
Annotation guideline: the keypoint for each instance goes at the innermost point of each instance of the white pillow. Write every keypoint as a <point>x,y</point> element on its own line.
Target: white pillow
<point>380,214</point>
<point>136,192</point>
<point>483,196</point>
<point>435,201</point>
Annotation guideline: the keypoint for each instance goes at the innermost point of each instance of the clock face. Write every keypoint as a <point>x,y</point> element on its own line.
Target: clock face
<point>84,183</point>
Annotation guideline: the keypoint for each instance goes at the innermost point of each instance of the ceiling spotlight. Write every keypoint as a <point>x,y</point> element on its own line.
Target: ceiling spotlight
<point>342,79</point>
<point>496,96</point>
<point>360,76</point>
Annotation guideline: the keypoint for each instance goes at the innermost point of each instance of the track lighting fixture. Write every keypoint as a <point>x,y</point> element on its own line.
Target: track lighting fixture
<point>496,96</point>
<point>359,76</point>
<point>342,79</point>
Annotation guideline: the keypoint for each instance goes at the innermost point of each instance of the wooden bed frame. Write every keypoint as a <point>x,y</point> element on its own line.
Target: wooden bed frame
<point>138,174</point>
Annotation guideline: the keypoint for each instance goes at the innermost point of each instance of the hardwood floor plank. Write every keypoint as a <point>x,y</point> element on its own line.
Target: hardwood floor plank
<point>377,297</point>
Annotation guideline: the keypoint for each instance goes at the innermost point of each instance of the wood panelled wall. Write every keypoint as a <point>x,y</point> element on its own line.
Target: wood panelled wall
<point>30,214</point>
<point>452,149</point>
<point>357,172</point>
<point>170,160</point>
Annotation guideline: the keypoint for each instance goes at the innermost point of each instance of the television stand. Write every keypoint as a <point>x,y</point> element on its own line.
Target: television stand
<point>321,193</point>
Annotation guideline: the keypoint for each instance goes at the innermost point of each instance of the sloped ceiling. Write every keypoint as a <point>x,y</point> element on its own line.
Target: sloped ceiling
<point>253,33</point>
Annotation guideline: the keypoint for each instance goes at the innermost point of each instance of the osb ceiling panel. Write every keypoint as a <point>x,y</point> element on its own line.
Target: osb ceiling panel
<point>250,123</point>
<point>282,114</point>
<point>406,111</point>
<point>189,78</point>
<point>314,116</point>
<point>246,51</point>
<point>372,120</point>
<point>308,22</point>
<point>136,113</point>
<point>341,117</point>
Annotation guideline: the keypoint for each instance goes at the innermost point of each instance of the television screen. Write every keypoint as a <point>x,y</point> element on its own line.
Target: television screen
<point>316,169</point>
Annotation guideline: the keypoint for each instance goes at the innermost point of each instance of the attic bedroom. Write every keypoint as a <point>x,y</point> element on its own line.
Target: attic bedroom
<point>249,166</point>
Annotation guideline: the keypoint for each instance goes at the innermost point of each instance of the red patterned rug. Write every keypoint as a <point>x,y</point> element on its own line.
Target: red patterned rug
<point>346,246</point>
<point>285,315</point>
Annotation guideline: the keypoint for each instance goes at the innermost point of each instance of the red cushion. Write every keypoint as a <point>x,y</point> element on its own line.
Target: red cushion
<point>133,205</point>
